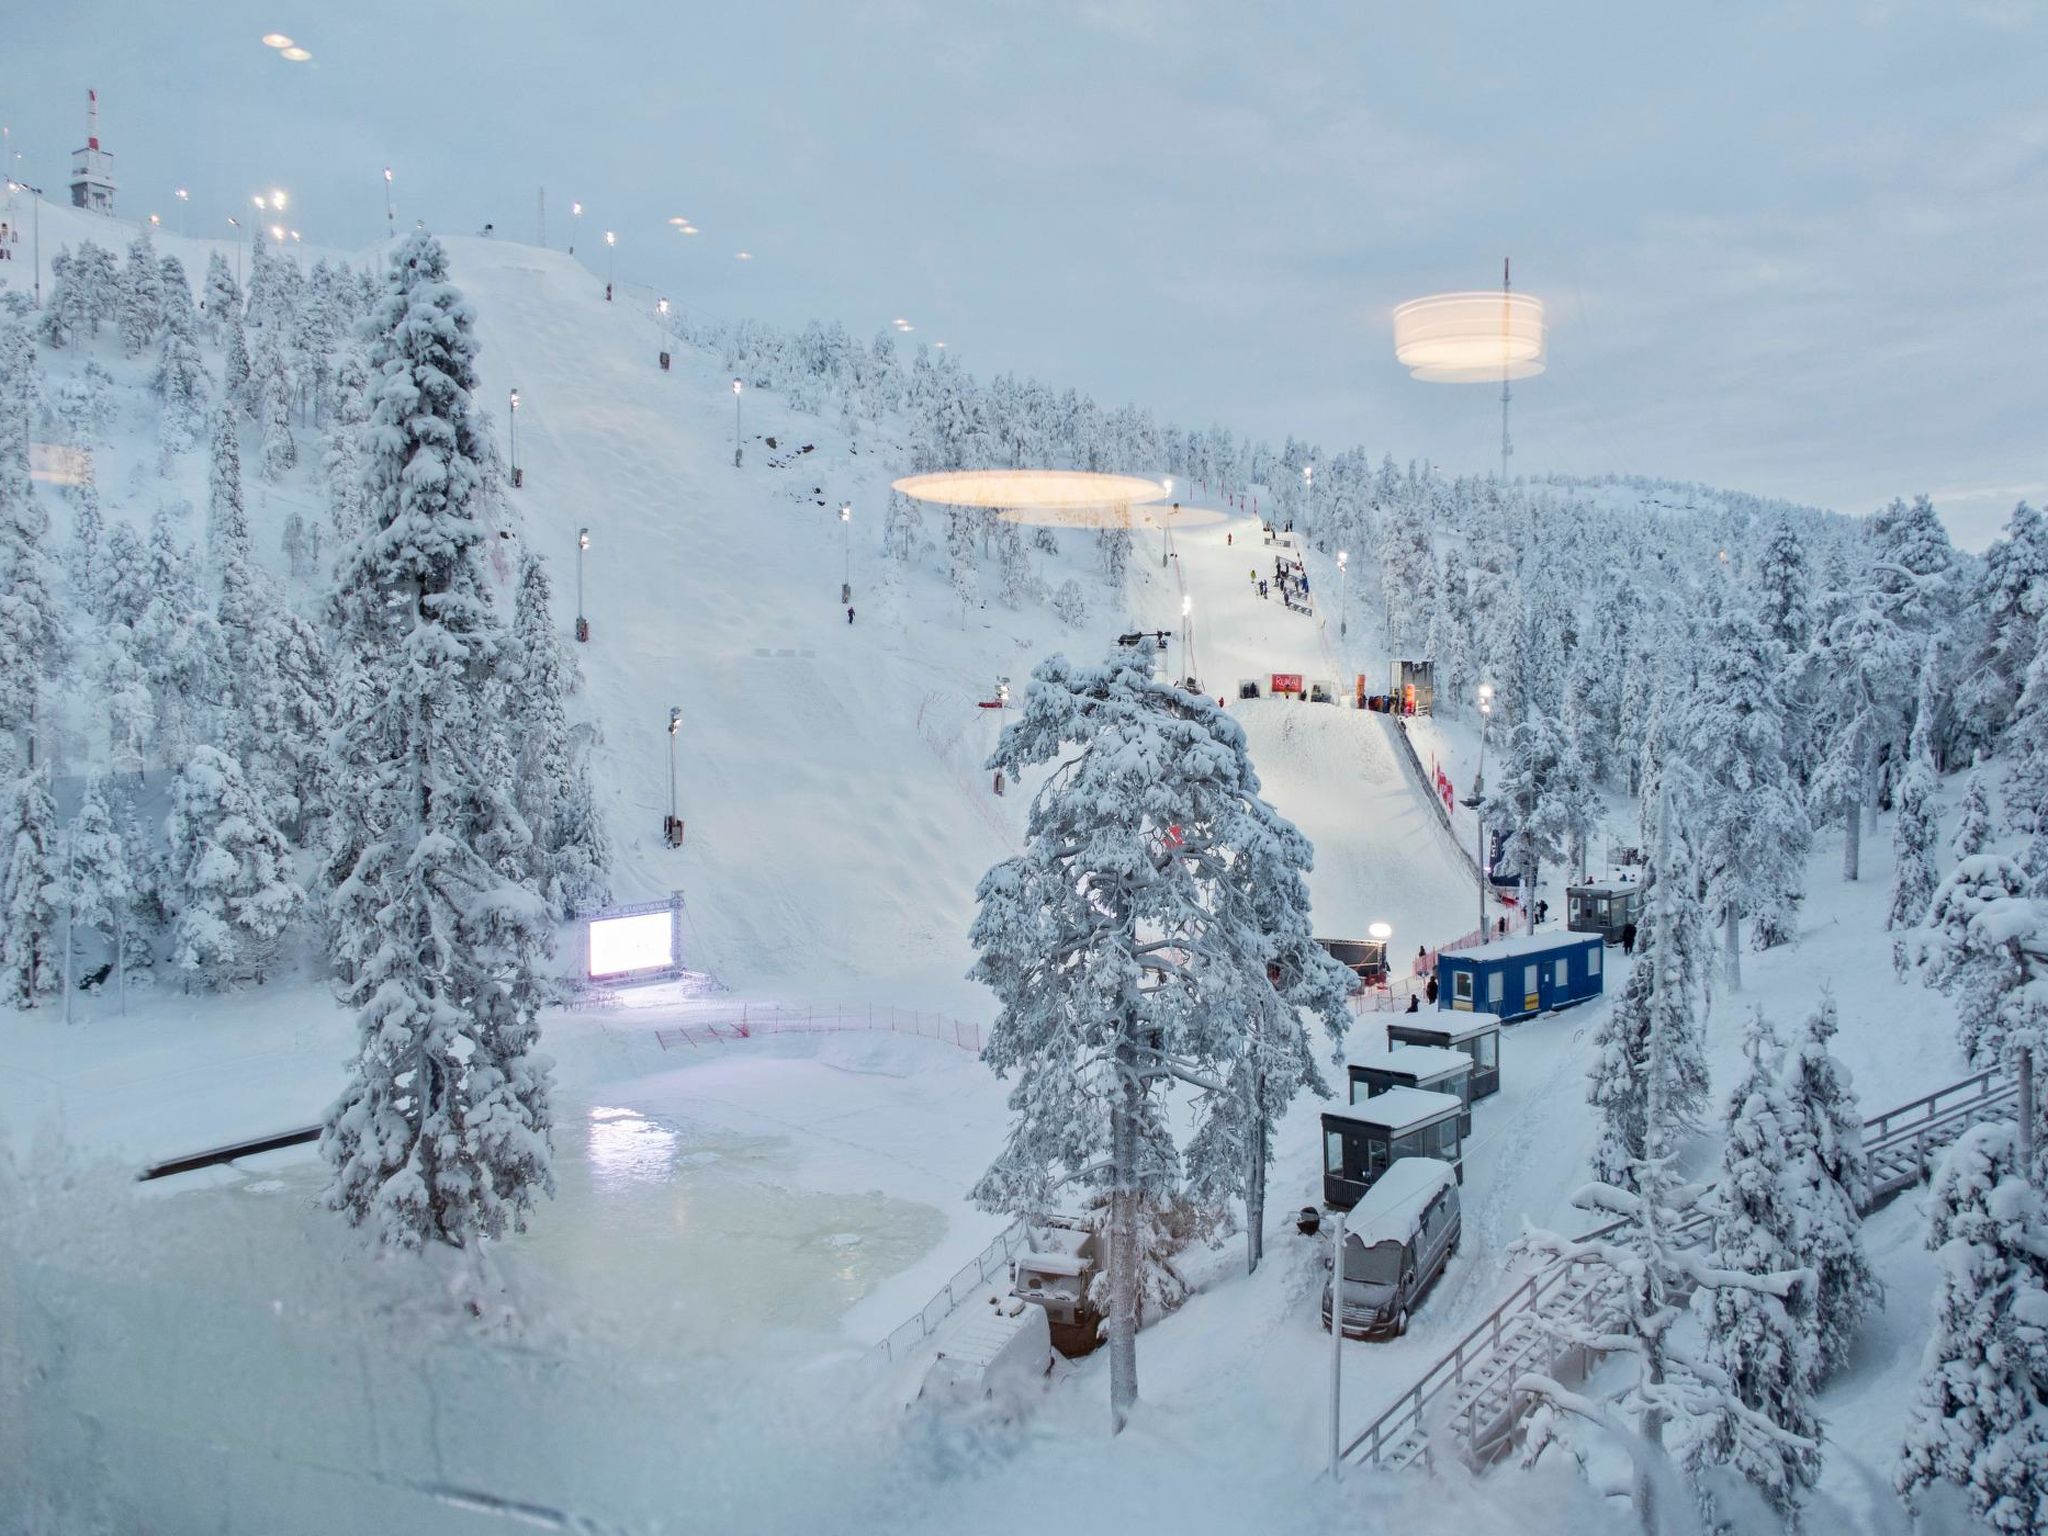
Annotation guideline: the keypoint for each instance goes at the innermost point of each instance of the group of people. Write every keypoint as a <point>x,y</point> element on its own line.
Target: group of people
<point>1290,578</point>
<point>9,238</point>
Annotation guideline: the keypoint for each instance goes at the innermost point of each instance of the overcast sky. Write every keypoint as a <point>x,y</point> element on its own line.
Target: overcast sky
<point>1800,249</point>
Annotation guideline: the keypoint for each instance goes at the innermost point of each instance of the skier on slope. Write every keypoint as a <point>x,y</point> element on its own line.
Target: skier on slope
<point>849,613</point>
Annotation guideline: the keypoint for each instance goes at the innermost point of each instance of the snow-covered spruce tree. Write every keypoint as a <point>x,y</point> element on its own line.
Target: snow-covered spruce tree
<point>178,312</point>
<point>1784,582</point>
<point>227,522</point>
<point>177,641</point>
<point>125,701</point>
<point>1751,829</point>
<point>221,297</point>
<point>1672,1381</point>
<point>1973,818</point>
<point>96,867</point>
<point>2026,755</point>
<point>234,368</point>
<point>141,303</point>
<point>341,452</point>
<point>228,881</point>
<point>1543,798</point>
<point>1113,556</point>
<point>1986,944</point>
<point>31,625</point>
<point>1914,835</point>
<point>441,1133</point>
<point>87,525</point>
<point>1762,1342</point>
<point>571,863</point>
<point>182,383</point>
<point>1665,997</point>
<point>122,589</point>
<point>271,393</point>
<point>31,890</point>
<point>1861,668</point>
<point>1979,1418</point>
<point>1069,604</point>
<point>1830,1187</point>
<point>1130,947</point>
<point>2004,631</point>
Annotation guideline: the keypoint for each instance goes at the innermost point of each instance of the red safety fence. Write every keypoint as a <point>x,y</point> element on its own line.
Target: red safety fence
<point>1425,963</point>
<point>750,1019</point>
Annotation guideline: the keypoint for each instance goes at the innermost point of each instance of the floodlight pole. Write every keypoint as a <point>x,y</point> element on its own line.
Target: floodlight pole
<point>1507,289</point>
<point>736,388</point>
<point>582,624</point>
<point>1343,593</point>
<point>1478,795</point>
<point>846,551</point>
<point>512,436</point>
<point>390,207</point>
<point>675,722</point>
<point>1336,1346</point>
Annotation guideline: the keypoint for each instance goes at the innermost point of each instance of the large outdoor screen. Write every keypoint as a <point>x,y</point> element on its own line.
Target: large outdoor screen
<point>620,946</point>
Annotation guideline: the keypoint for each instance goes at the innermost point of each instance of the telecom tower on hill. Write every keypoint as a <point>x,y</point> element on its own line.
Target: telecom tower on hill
<point>92,168</point>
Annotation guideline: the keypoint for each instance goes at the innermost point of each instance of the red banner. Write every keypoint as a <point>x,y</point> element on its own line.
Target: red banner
<point>1287,682</point>
<point>1443,784</point>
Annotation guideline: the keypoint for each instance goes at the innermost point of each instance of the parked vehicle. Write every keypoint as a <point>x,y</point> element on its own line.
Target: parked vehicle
<point>1400,1236</point>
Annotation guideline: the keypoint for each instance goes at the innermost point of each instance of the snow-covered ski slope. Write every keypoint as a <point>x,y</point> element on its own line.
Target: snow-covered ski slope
<point>830,774</point>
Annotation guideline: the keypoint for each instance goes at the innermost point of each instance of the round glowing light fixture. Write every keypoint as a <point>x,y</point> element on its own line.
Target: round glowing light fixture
<point>276,40</point>
<point>1465,338</point>
<point>1075,498</point>
<point>296,55</point>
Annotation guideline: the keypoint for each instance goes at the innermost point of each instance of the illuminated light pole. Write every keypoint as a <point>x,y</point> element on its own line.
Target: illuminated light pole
<point>36,208</point>
<point>512,446</point>
<point>846,551</point>
<point>611,240</point>
<point>1187,637</point>
<point>673,832</point>
<point>1479,794</point>
<point>575,223</point>
<point>582,624</point>
<point>736,387</point>
<point>236,224</point>
<point>661,325</point>
<point>184,197</point>
<point>1343,593</point>
<point>390,207</point>
<point>1308,486</point>
<point>1165,529</point>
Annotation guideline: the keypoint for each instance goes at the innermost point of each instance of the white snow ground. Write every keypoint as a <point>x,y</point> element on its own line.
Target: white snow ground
<point>733,1226</point>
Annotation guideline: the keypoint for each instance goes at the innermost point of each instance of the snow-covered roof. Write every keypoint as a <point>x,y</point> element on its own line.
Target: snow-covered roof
<point>1392,1208</point>
<point>1446,1024</point>
<point>1418,1061</point>
<point>1050,1263</point>
<point>1523,944</point>
<point>1398,1110</point>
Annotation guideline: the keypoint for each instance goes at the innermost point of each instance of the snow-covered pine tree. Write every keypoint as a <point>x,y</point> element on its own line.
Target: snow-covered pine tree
<point>1762,1342</point>
<point>122,588</point>
<point>1751,829</point>
<point>1665,997</point>
<point>177,640</point>
<point>125,701</point>
<point>441,1133</point>
<point>1069,604</point>
<point>1543,799</point>
<point>96,867</point>
<point>1915,833</point>
<point>2003,627</point>
<point>1784,581</point>
<point>1131,946</point>
<point>227,522</point>
<point>1973,819</point>
<point>182,383</point>
<point>1986,944</point>
<point>178,313</point>
<point>31,890</point>
<point>141,303</point>
<point>1979,1417</point>
<point>1113,556</point>
<point>221,298</point>
<point>87,526</point>
<point>1830,1187</point>
<point>228,876</point>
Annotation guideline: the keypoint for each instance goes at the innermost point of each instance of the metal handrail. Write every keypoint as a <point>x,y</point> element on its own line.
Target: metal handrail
<point>1884,1132</point>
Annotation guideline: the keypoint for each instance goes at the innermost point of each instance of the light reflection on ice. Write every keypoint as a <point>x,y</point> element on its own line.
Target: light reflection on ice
<point>625,1148</point>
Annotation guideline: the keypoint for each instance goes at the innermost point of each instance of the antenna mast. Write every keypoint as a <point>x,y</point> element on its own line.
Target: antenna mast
<point>1507,445</point>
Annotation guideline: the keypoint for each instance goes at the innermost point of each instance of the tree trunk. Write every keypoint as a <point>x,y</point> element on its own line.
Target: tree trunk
<point>1529,896</point>
<point>1852,841</point>
<point>1123,1244</point>
<point>1653,1436</point>
<point>1734,944</point>
<point>1255,1182</point>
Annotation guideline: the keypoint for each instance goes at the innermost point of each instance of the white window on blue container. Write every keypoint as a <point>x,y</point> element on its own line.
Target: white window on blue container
<point>1461,986</point>
<point>1493,985</point>
<point>1592,962</point>
<point>1564,971</point>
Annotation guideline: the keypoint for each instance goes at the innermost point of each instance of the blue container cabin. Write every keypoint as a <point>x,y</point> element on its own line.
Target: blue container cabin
<point>1361,1141</point>
<point>1437,1068</point>
<point>1517,977</point>
<point>1476,1036</point>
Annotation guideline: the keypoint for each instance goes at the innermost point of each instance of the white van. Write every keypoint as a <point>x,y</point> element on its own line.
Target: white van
<point>1396,1242</point>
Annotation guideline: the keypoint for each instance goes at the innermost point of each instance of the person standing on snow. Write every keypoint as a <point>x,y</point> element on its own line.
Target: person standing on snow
<point>849,613</point>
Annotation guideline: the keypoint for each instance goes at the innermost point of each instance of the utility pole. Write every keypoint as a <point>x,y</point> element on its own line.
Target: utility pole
<point>846,551</point>
<point>512,442</point>
<point>736,387</point>
<point>582,624</point>
<point>390,207</point>
<point>1343,593</point>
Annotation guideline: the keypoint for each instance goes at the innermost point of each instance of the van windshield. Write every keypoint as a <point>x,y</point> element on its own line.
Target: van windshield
<point>1377,1265</point>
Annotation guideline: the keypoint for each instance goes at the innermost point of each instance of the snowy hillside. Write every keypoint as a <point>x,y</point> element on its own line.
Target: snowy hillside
<point>762,1203</point>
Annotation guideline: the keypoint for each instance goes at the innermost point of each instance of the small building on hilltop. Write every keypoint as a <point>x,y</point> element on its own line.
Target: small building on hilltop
<point>1522,975</point>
